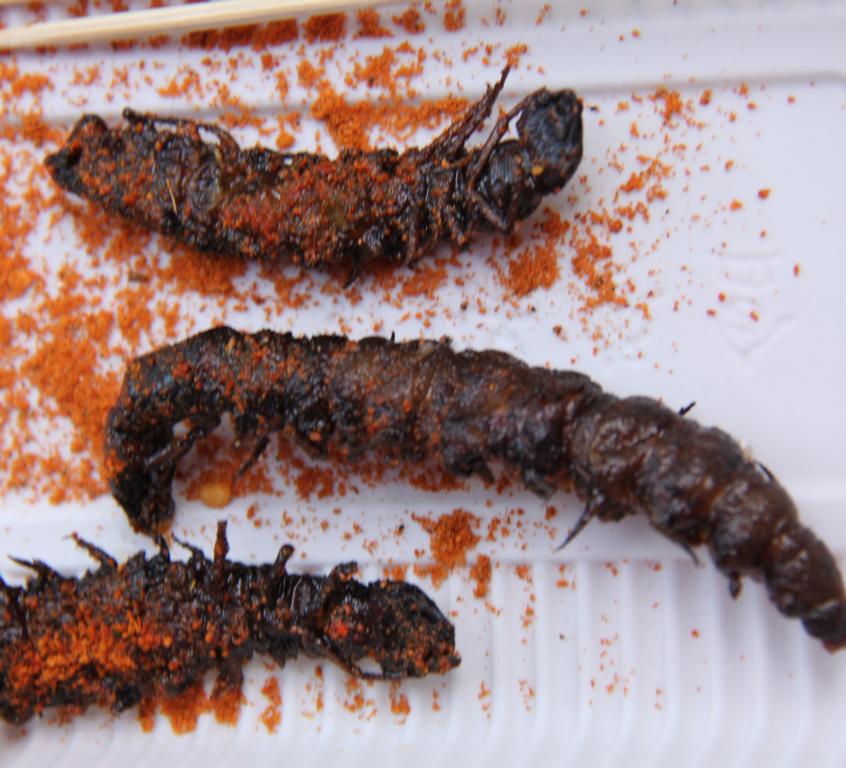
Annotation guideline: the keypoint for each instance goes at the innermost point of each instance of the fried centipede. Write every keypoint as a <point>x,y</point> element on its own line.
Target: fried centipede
<point>154,627</point>
<point>357,208</point>
<point>423,400</point>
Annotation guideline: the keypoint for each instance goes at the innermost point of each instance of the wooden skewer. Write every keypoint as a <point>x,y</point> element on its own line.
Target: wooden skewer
<point>163,21</point>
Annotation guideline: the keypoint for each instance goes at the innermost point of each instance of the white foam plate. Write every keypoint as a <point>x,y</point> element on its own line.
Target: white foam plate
<point>646,659</point>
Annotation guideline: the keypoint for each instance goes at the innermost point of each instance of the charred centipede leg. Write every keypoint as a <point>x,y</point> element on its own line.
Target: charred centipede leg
<point>259,447</point>
<point>450,144</point>
<point>152,627</point>
<point>103,558</point>
<point>38,567</point>
<point>466,410</point>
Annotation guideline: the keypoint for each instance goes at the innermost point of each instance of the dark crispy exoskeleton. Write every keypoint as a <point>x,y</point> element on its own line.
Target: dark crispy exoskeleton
<point>155,626</point>
<point>422,399</point>
<point>356,208</point>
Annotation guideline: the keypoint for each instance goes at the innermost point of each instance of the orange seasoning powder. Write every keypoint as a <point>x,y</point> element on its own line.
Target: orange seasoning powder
<point>271,716</point>
<point>328,28</point>
<point>481,574</point>
<point>451,537</point>
<point>399,702</point>
<point>454,16</point>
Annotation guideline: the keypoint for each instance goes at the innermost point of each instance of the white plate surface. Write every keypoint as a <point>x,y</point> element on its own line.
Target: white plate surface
<point>646,660</point>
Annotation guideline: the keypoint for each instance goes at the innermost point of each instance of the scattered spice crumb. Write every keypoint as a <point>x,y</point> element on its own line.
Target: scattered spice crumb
<point>184,709</point>
<point>411,21</point>
<point>370,24</point>
<point>451,537</point>
<point>327,28</point>
<point>454,15</point>
<point>399,702</point>
<point>271,717</point>
<point>481,574</point>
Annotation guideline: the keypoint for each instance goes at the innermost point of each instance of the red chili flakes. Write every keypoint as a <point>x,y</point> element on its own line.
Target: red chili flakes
<point>350,124</point>
<point>356,700</point>
<point>225,702</point>
<point>536,265</point>
<point>451,537</point>
<point>271,716</point>
<point>410,21</point>
<point>257,36</point>
<point>735,205</point>
<point>370,24</point>
<point>395,572</point>
<point>436,701</point>
<point>184,709</point>
<point>284,138</point>
<point>763,194</point>
<point>147,709</point>
<point>513,54</point>
<point>399,701</point>
<point>326,28</point>
<point>315,480</point>
<point>308,75</point>
<point>184,84</point>
<point>454,16</point>
<point>282,85</point>
<point>481,574</point>
<point>672,103</point>
<point>485,698</point>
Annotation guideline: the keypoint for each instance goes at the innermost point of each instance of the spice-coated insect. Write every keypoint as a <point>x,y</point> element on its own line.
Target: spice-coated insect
<point>422,399</point>
<point>153,627</point>
<point>356,208</point>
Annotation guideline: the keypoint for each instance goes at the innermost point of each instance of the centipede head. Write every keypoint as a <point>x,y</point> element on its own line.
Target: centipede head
<point>391,625</point>
<point>145,495</point>
<point>550,128</point>
<point>64,164</point>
